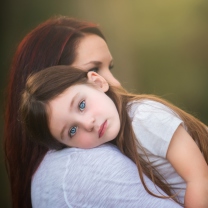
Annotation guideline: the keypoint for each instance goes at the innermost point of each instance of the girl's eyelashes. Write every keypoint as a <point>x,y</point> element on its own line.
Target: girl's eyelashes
<point>82,105</point>
<point>72,131</point>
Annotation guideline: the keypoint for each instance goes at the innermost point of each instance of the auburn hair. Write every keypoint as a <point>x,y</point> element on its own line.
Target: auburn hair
<point>51,43</point>
<point>49,83</point>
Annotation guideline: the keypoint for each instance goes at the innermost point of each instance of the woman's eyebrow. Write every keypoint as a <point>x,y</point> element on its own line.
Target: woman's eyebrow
<point>97,62</point>
<point>94,62</point>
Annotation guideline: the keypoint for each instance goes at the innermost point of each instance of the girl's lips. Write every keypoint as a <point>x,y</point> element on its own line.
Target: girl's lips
<point>102,129</point>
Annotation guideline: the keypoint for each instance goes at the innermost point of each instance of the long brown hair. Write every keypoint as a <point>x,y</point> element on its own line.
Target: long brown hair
<point>51,43</point>
<point>49,83</point>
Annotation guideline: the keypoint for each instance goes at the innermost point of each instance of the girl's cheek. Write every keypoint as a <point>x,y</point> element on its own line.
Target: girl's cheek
<point>87,141</point>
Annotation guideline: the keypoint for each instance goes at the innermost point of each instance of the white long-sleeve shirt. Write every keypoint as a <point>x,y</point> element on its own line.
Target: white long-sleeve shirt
<point>98,177</point>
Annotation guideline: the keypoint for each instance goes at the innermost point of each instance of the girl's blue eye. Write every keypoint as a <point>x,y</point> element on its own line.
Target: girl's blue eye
<point>72,131</point>
<point>82,105</point>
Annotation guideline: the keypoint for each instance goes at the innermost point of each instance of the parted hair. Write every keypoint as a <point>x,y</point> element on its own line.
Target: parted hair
<point>45,85</point>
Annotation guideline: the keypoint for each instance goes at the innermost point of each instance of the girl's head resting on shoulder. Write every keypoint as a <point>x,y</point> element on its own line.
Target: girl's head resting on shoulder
<point>65,106</point>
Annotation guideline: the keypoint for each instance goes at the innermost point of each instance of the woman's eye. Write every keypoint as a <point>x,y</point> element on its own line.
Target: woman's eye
<point>82,105</point>
<point>72,131</point>
<point>111,66</point>
<point>96,69</point>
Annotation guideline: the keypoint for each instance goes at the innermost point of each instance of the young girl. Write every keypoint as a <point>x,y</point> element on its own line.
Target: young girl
<point>63,106</point>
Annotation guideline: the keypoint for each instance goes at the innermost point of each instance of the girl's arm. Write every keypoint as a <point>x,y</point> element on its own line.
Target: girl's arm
<point>185,156</point>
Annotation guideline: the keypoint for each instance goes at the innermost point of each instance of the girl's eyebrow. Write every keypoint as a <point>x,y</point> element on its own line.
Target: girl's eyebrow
<point>73,100</point>
<point>70,107</point>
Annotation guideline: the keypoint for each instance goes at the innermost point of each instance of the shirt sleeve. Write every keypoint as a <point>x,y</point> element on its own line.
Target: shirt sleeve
<point>154,125</point>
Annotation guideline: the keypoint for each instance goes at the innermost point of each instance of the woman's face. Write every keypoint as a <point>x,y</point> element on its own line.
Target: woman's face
<point>92,54</point>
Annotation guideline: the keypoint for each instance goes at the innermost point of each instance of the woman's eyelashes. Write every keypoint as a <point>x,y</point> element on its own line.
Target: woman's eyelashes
<point>96,69</point>
<point>111,66</point>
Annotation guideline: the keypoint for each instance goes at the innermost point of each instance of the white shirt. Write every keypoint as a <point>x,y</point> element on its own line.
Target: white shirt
<point>98,177</point>
<point>154,125</point>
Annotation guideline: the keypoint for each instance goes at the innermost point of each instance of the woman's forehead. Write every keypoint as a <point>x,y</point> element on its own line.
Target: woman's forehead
<point>90,48</point>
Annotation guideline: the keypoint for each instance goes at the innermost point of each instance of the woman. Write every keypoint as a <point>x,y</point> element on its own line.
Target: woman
<point>58,41</point>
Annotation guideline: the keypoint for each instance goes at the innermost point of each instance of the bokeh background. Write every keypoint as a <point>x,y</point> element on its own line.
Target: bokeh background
<point>159,47</point>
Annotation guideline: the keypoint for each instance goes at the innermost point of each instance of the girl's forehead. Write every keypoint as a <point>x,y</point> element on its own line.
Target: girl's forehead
<point>75,89</point>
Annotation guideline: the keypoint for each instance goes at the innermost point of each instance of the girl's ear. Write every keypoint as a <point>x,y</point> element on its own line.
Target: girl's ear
<point>98,80</point>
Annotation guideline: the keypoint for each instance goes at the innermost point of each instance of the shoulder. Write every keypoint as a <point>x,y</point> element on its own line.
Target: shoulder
<point>98,177</point>
<point>153,112</point>
<point>70,166</point>
<point>145,106</point>
<point>66,172</point>
<point>154,125</point>
<point>59,161</point>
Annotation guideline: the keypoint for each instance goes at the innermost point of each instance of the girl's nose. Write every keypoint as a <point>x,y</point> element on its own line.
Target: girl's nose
<point>88,123</point>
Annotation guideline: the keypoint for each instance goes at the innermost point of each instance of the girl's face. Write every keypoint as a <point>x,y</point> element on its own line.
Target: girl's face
<point>92,54</point>
<point>83,115</point>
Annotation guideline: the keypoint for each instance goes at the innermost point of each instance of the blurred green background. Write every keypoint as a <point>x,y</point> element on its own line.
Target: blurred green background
<point>159,47</point>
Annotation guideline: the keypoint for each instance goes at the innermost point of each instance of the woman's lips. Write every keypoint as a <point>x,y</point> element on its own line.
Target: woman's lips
<point>102,129</point>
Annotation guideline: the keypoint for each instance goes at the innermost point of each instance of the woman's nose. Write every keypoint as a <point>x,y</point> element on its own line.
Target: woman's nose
<point>111,79</point>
